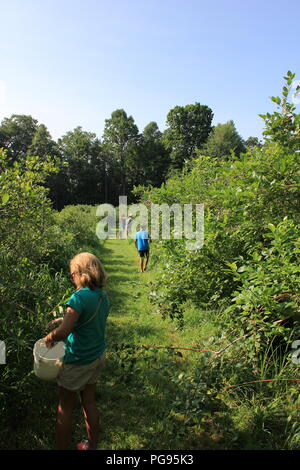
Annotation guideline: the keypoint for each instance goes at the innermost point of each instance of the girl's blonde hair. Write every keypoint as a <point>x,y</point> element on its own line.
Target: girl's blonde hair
<point>89,270</point>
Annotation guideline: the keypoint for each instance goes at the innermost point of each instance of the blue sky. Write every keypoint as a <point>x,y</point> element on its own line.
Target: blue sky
<point>73,62</point>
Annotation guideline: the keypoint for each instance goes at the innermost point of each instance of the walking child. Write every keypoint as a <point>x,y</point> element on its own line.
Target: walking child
<point>83,329</point>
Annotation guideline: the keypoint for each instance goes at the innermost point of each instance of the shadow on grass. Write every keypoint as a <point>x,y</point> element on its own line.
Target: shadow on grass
<point>119,335</point>
<point>138,413</point>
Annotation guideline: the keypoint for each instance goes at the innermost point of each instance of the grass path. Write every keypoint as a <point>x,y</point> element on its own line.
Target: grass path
<point>132,318</point>
<point>132,410</point>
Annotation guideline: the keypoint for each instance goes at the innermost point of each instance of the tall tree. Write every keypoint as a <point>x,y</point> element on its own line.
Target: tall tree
<point>252,142</point>
<point>84,173</point>
<point>187,129</point>
<point>44,146</point>
<point>120,138</point>
<point>155,157</point>
<point>223,140</point>
<point>16,134</point>
<point>42,143</point>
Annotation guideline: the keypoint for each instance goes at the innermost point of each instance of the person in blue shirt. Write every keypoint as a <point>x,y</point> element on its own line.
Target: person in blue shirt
<point>142,241</point>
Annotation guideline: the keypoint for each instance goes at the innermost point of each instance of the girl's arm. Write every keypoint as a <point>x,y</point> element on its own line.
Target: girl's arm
<point>62,332</point>
<point>55,322</point>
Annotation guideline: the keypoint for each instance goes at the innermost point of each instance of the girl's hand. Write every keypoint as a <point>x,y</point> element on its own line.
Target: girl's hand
<point>49,341</point>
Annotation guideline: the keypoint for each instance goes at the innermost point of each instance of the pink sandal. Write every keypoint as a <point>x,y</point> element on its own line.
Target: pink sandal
<point>84,445</point>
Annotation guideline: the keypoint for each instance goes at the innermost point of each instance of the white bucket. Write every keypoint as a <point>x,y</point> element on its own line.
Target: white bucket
<point>47,361</point>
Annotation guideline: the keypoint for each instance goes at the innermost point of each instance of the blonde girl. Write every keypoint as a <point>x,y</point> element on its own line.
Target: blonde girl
<point>83,329</point>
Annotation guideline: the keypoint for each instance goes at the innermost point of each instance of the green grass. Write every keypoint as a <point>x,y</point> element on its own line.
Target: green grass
<point>141,384</point>
<point>135,400</point>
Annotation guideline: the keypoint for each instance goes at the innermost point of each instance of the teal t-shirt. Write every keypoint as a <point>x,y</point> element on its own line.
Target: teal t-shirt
<point>87,342</point>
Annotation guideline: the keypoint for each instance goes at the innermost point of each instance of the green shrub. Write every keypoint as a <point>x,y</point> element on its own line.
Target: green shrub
<point>36,244</point>
<point>266,304</point>
<point>251,245</point>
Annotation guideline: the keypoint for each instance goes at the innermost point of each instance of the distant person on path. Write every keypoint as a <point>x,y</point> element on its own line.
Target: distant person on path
<point>142,244</point>
<point>123,226</point>
<point>128,224</point>
<point>83,329</point>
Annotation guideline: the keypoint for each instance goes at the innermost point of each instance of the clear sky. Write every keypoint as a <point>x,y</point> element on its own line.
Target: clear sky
<point>72,63</point>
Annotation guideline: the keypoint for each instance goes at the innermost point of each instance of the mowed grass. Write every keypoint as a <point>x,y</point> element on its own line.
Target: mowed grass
<point>135,396</point>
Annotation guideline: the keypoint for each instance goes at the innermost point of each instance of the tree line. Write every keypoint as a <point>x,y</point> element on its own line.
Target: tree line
<point>94,170</point>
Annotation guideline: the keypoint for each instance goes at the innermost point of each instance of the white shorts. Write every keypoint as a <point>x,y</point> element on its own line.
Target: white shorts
<point>75,377</point>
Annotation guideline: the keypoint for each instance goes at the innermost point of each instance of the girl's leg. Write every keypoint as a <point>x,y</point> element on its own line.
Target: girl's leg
<point>91,414</point>
<point>67,400</point>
